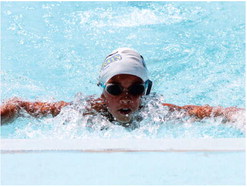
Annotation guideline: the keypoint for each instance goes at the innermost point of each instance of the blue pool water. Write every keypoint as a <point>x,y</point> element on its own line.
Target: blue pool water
<point>195,52</point>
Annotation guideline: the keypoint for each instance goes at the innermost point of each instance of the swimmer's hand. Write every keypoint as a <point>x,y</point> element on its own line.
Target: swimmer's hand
<point>229,114</point>
<point>11,109</point>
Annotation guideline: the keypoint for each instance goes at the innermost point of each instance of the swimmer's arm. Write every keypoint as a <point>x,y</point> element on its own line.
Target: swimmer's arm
<point>206,111</point>
<point>11,109</point>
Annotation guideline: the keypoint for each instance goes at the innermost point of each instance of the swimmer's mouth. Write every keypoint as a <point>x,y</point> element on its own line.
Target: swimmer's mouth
<point>125,111</point>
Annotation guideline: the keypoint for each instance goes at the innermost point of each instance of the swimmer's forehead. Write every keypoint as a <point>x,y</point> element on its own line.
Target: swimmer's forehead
<point>125,78</point>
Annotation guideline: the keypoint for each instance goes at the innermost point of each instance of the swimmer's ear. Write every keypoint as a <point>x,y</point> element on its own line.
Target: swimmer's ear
<point>104,99</point>
<point>103,96</point>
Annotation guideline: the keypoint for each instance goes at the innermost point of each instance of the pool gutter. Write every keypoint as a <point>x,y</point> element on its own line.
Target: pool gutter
<point>123,145</point>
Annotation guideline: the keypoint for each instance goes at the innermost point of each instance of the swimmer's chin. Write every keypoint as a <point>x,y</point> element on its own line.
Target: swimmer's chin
<point>125,122</point>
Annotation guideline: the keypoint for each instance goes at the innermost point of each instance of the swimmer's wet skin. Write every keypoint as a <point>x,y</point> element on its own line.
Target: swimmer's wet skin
<point>124,80</point>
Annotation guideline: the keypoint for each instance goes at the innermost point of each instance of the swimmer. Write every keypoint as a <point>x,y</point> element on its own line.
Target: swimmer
<point>124,81</point>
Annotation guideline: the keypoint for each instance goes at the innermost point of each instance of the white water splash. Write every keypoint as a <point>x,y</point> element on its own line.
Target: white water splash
<point>152,121</point>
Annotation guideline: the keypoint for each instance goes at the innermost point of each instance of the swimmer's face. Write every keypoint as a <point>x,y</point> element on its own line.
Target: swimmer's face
<point>123,106</point>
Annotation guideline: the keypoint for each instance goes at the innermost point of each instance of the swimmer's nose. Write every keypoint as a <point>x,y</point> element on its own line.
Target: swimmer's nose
<point>125,99</point>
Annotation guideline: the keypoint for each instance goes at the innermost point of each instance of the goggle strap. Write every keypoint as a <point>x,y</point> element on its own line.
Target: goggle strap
<point>150,83</point>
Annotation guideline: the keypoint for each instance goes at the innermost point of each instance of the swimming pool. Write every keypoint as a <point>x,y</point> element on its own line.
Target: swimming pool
<point>195,52</point>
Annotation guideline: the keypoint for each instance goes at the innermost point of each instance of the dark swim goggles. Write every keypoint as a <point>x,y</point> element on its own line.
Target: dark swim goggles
<point>135,89</point>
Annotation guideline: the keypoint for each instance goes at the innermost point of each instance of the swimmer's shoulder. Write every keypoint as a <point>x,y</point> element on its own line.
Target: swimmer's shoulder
<point>95,105</point>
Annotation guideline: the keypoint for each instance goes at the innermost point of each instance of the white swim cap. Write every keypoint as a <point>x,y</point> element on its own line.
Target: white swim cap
<point>123,61</point>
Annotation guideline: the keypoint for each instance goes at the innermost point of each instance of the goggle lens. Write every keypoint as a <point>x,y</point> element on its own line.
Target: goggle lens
<point>135,90</point>
<point>114,89</point>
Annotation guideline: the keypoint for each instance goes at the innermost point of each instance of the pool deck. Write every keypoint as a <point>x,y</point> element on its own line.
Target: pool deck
<point>123,162</point>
